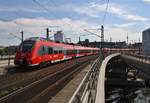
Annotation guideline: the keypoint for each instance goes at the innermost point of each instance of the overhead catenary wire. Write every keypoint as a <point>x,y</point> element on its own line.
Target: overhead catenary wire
<point>104,17</point>
<point>15,36</point>
<point>42,6</point>
<point>69,24</point>
<point>106,11</point>
<point>46,9</point>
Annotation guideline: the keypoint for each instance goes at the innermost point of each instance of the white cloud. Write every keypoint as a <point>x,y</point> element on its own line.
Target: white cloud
<point>95,10</point>
<point>125,25</point>
<point>36,27</point>
<point>64,23</point>
<point>72,28</point>
<point>18,9</point>
<point>92,10</point>
<point>120,33</point>
<point>148,1</point>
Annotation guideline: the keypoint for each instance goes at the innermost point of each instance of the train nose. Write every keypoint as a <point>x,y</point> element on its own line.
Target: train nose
<point>23,59</point>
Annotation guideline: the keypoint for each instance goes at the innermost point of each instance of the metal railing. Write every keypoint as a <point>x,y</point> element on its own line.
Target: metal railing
<point>86,91</point>
<point>141,58</point>
<point>7,57</point>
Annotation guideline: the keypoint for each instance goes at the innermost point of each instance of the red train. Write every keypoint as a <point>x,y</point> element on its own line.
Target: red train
<point>35,51</point>
<point>108,51</point>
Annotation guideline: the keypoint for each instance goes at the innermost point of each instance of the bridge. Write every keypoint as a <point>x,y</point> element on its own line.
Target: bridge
<point>116,70</point>
<point>91,85</point>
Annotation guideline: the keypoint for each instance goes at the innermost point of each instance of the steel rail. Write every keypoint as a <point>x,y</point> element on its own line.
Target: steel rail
<point>62,81</point>
<point>26,90</point>
<point>10,80</point>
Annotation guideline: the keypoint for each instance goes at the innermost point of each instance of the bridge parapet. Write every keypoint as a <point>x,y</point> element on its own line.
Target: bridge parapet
<point>91,88</point>
<point>86,91</point>
<point>100,96</point>
<point>139,62</point>
<point>141,58</point>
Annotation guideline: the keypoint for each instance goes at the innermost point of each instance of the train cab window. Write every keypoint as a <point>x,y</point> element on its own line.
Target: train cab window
<point>26,46</point>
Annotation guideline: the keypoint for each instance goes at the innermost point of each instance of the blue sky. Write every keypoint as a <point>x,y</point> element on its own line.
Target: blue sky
<point>73,16</point>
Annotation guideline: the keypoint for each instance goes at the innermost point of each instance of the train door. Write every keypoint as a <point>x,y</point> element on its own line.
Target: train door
<point>78,52</point>
<point>45,54</point>
<point>42,54</point>
<point>65,53</point>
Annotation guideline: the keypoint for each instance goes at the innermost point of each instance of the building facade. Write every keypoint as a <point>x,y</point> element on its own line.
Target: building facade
<point>59,36</point>
<point>146,42</point>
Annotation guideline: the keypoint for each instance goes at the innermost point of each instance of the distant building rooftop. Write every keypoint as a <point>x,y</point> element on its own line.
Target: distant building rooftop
<point>147,30</point>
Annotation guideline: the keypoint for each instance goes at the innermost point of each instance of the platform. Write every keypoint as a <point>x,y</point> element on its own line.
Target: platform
<point>4,65</point>
<point>66,93</point>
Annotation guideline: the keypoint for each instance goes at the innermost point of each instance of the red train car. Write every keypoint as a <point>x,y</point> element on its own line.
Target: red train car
<point>35,51</point>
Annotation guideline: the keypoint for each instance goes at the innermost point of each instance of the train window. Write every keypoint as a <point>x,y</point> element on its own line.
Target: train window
<point>65,52</point>
<point>79,51</point>
<point>55,52</point>
<point>60,51</point>
<point>74,51</point>
<point>69,52</point>
<point>50,50</point>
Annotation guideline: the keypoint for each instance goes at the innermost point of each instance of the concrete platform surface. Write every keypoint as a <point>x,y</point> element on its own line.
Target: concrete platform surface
<point>66,93</point>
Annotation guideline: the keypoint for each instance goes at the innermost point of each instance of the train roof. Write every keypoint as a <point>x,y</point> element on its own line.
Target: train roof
<point>55,44</point>
<point>37,39</point>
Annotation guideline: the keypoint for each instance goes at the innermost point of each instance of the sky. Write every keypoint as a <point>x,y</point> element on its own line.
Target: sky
<point>123,17</point>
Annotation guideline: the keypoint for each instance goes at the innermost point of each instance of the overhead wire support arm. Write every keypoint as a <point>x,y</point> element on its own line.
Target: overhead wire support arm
<point>92,33</point>
<point>15,36</point>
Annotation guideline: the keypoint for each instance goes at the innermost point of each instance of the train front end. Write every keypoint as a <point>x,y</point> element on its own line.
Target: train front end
<point>24,53</point>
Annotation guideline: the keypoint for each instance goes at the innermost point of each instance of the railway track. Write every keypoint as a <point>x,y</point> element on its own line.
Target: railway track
<point>41,85</point>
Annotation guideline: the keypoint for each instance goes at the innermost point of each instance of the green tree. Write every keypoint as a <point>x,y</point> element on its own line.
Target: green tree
<point>86,42</point>
<point>2,52</point>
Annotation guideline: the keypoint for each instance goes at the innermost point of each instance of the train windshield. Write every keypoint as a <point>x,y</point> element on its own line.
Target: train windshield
<point>27,46</point>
